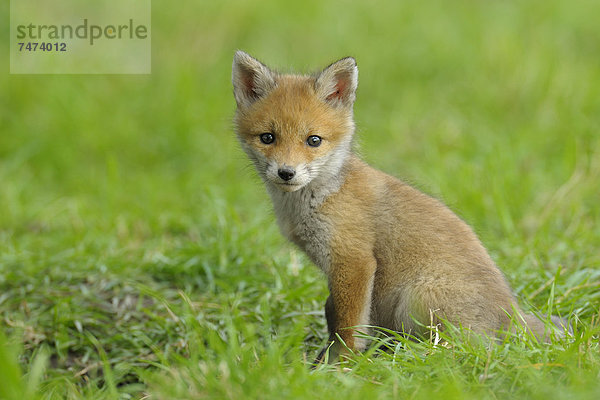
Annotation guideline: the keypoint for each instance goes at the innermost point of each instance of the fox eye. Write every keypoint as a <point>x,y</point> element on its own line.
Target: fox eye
<point>313,141</point>
<point>267,138</point>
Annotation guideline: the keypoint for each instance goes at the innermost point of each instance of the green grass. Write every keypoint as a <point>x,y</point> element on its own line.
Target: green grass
<point>139,255</point>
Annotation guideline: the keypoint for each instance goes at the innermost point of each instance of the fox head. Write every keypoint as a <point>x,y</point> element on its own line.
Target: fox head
<point>296,129</point>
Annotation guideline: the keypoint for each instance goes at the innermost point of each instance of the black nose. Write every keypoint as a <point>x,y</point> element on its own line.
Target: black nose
<point>286,173</point>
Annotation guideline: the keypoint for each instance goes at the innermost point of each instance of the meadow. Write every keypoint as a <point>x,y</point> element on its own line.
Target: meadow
<point>139,255</point>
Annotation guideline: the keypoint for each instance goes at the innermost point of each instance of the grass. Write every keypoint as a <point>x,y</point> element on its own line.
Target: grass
<point>139,257</point>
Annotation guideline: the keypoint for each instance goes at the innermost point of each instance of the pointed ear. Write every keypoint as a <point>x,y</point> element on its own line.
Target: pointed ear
<point>337,83</point>
<point>251,79</point>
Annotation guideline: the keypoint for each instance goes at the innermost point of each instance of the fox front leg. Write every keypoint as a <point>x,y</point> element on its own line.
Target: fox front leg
<point>347,308</point>
<point>331,318</point>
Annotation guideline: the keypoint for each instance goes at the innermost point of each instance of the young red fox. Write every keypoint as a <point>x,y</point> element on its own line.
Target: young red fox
<point>393,256</point>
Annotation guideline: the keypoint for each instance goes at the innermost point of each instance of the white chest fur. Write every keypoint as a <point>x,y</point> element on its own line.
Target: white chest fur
<point>300,221</point>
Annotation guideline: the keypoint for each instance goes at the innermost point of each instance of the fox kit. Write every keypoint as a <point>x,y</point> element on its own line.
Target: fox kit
<point>393,256</point>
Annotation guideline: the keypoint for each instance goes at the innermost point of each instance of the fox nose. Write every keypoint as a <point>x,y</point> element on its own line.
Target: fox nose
<point>286,173</point>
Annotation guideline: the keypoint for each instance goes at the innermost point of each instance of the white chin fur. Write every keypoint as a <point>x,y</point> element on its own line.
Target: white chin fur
<point>289,188</point>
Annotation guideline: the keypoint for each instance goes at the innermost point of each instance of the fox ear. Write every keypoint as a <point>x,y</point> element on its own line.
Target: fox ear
<point>337,83</point>
<point>251,79</point>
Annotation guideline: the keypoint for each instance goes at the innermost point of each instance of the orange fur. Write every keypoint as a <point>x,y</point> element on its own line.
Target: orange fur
<point>293,108</point>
